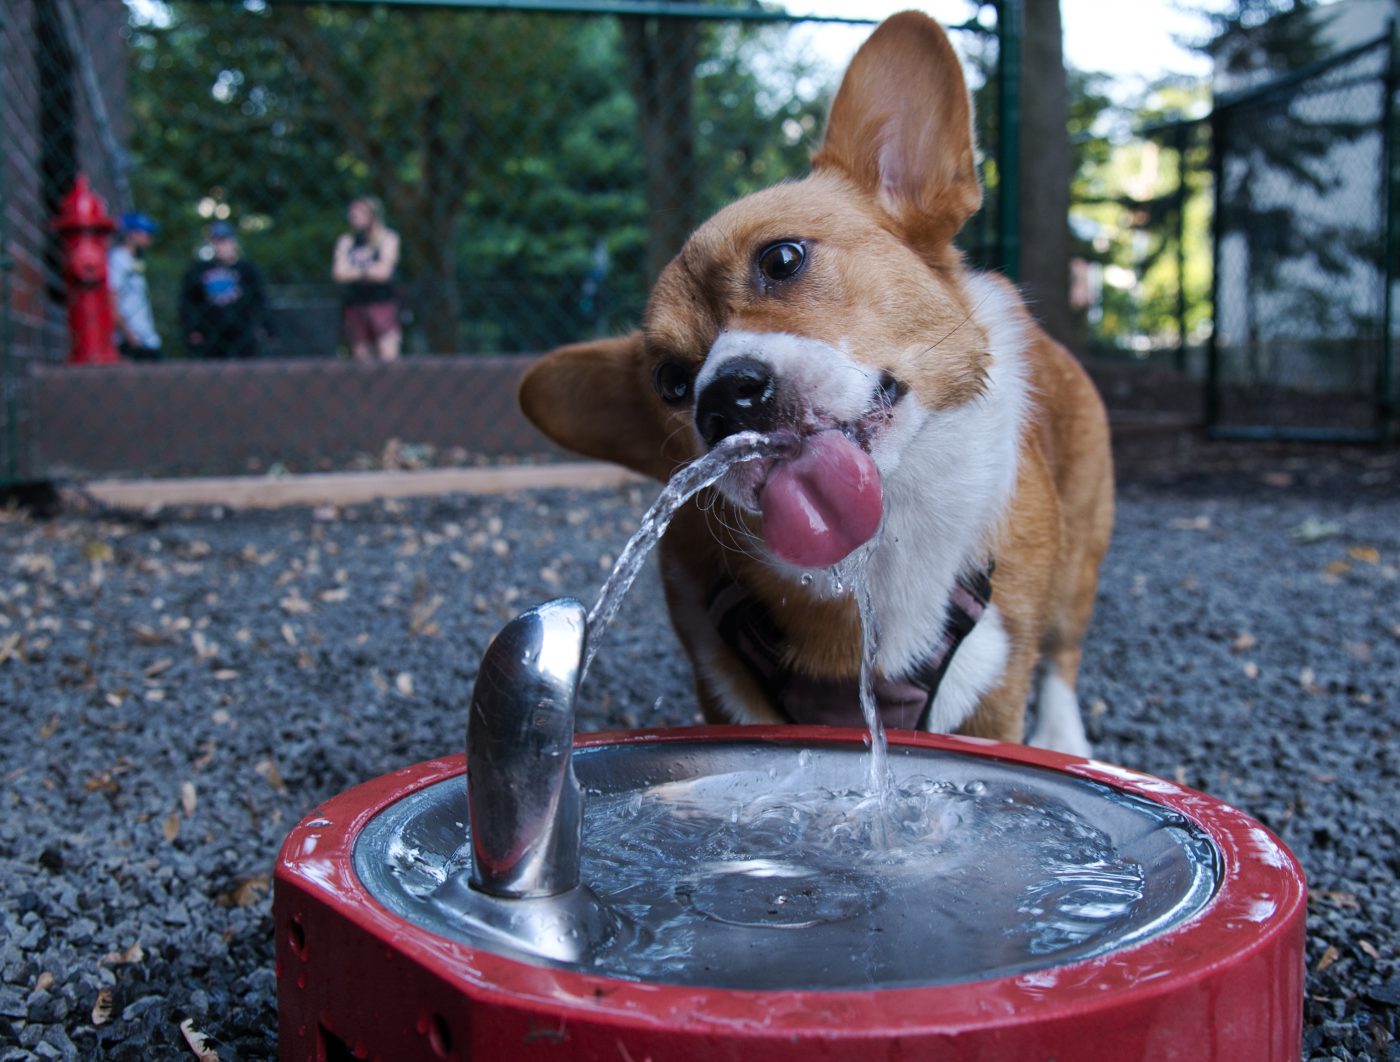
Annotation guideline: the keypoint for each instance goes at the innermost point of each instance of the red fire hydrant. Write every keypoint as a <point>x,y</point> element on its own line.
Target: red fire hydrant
<point>85,225</point>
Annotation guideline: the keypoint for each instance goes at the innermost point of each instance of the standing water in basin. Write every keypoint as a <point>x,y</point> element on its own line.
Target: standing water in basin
<point>759,866</point>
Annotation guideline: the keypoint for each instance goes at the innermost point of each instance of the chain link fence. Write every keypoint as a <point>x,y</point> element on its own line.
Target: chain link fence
<point>525,174</point>
<point>1303,344</point>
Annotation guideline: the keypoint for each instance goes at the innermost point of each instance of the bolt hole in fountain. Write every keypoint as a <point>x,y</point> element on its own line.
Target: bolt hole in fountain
<point>809,884</point>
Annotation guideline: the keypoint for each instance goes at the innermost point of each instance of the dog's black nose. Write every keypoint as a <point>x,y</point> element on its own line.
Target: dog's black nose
<point>741,397</point>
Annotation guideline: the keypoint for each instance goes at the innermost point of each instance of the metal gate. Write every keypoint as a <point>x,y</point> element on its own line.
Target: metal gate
<point>1303,344</point>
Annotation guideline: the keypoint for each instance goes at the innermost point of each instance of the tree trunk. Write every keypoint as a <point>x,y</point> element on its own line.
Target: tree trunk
<point>1046,165</point>
<point>430,271</point>
<point>662,53</point>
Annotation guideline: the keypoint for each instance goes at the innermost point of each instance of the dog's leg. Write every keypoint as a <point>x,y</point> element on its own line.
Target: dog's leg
<point>1059,724</point>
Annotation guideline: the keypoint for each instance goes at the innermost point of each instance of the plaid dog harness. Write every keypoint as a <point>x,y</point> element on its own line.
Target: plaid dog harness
<point>749,629</point>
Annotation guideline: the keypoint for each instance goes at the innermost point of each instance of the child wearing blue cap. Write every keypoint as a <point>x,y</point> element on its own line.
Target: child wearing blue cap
<point>134,324</point>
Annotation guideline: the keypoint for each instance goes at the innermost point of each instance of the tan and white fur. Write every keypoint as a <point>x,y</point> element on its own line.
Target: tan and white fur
<point>989,439</point>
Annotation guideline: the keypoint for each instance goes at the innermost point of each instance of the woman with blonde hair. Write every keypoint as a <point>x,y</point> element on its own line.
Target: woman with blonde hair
<point>366,259</point>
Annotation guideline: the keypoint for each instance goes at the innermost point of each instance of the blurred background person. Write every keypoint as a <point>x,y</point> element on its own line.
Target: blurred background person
<point>223,301</point>
<point>365,262</point>
<point>135,327</point>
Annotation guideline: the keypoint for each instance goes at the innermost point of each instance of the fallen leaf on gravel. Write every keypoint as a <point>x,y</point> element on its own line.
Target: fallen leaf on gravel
<point>420,616</point>
<point>198,1042</point>
<point>188,799</point>
<point>1346,900</point>
<point>1193,523</point>
<point>35,564</point>
<point>1329,956</point>
<point>1365,554</point>
<point>1314,530</point>
<point>9,646</point>
<point>1244,642</point>
<point>103,783</point>
<point>170,827</point>
<point>271,774</point>
<point>333,596</point>
<point>1251,670</point>
<point>251,555</point>
<point>1307,678</point>
<point>248,890</point>
<point>135,953</point>
<point>1369,949</point>
<point>159,667</point>
<point>225,673</point>
<point>102,1007</point>
<point>98,552</point>
<point>49,729</point>
<point>148,635</point>
<point>403,683</point>
<point>460,561</point>
<point>294,604</point>
<point>288,634</point>
<point>1337,567</point>
<point>44,982</point>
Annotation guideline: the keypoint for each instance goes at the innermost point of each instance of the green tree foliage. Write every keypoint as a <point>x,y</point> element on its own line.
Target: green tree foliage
<point>506,146</point>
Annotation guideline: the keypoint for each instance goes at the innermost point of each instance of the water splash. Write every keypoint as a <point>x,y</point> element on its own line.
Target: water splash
<point>880,781</point>
<point>689,481</point>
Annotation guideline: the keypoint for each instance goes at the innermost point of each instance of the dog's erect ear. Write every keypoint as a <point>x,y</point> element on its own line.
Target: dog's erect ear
<point>595,399</point>
<point>901,128</point>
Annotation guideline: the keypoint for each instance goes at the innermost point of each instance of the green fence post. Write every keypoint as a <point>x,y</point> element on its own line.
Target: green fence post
<point>1009,24</point>
<point>1212,395</point>
<point>1387,399</point>
<point>1181,132</point>
<point>9,469</point>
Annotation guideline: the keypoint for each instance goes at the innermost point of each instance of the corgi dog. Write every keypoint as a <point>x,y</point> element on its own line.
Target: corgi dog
<point>941,437</point>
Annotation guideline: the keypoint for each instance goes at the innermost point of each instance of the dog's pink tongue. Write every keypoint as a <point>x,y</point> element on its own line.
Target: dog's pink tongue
<point>823,503</point>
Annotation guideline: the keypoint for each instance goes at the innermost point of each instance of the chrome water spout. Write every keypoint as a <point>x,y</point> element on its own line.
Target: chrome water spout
<point>525,804</point>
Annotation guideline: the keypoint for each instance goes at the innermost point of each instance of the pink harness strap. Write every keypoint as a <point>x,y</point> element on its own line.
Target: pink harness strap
<point>748,628</point>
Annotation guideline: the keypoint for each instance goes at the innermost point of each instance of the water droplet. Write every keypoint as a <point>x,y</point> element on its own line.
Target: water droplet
<point>807,578</point>
<point>975,788</point>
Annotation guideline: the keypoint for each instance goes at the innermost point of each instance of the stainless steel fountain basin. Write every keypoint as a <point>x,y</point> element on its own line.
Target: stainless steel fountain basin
<point>773,905</point>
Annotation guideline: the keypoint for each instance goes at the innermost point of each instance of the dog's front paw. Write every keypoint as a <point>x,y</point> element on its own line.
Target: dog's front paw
<point>1059,725</point>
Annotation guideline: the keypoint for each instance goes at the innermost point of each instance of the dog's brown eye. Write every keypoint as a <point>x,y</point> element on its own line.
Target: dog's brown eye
<point>672,382</point>
<point>782,261</point>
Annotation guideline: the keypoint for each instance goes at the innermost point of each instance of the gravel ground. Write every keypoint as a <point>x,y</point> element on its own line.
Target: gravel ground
<point>179,691</point>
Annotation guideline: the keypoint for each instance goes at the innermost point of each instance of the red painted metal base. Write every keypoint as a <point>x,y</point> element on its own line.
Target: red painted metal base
<point>355,981</point>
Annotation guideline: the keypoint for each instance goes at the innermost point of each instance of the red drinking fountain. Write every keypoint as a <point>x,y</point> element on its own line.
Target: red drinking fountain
<point>753,893</point>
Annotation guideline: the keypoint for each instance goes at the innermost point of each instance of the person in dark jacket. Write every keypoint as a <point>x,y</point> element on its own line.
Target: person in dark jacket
<point>223,301</point>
